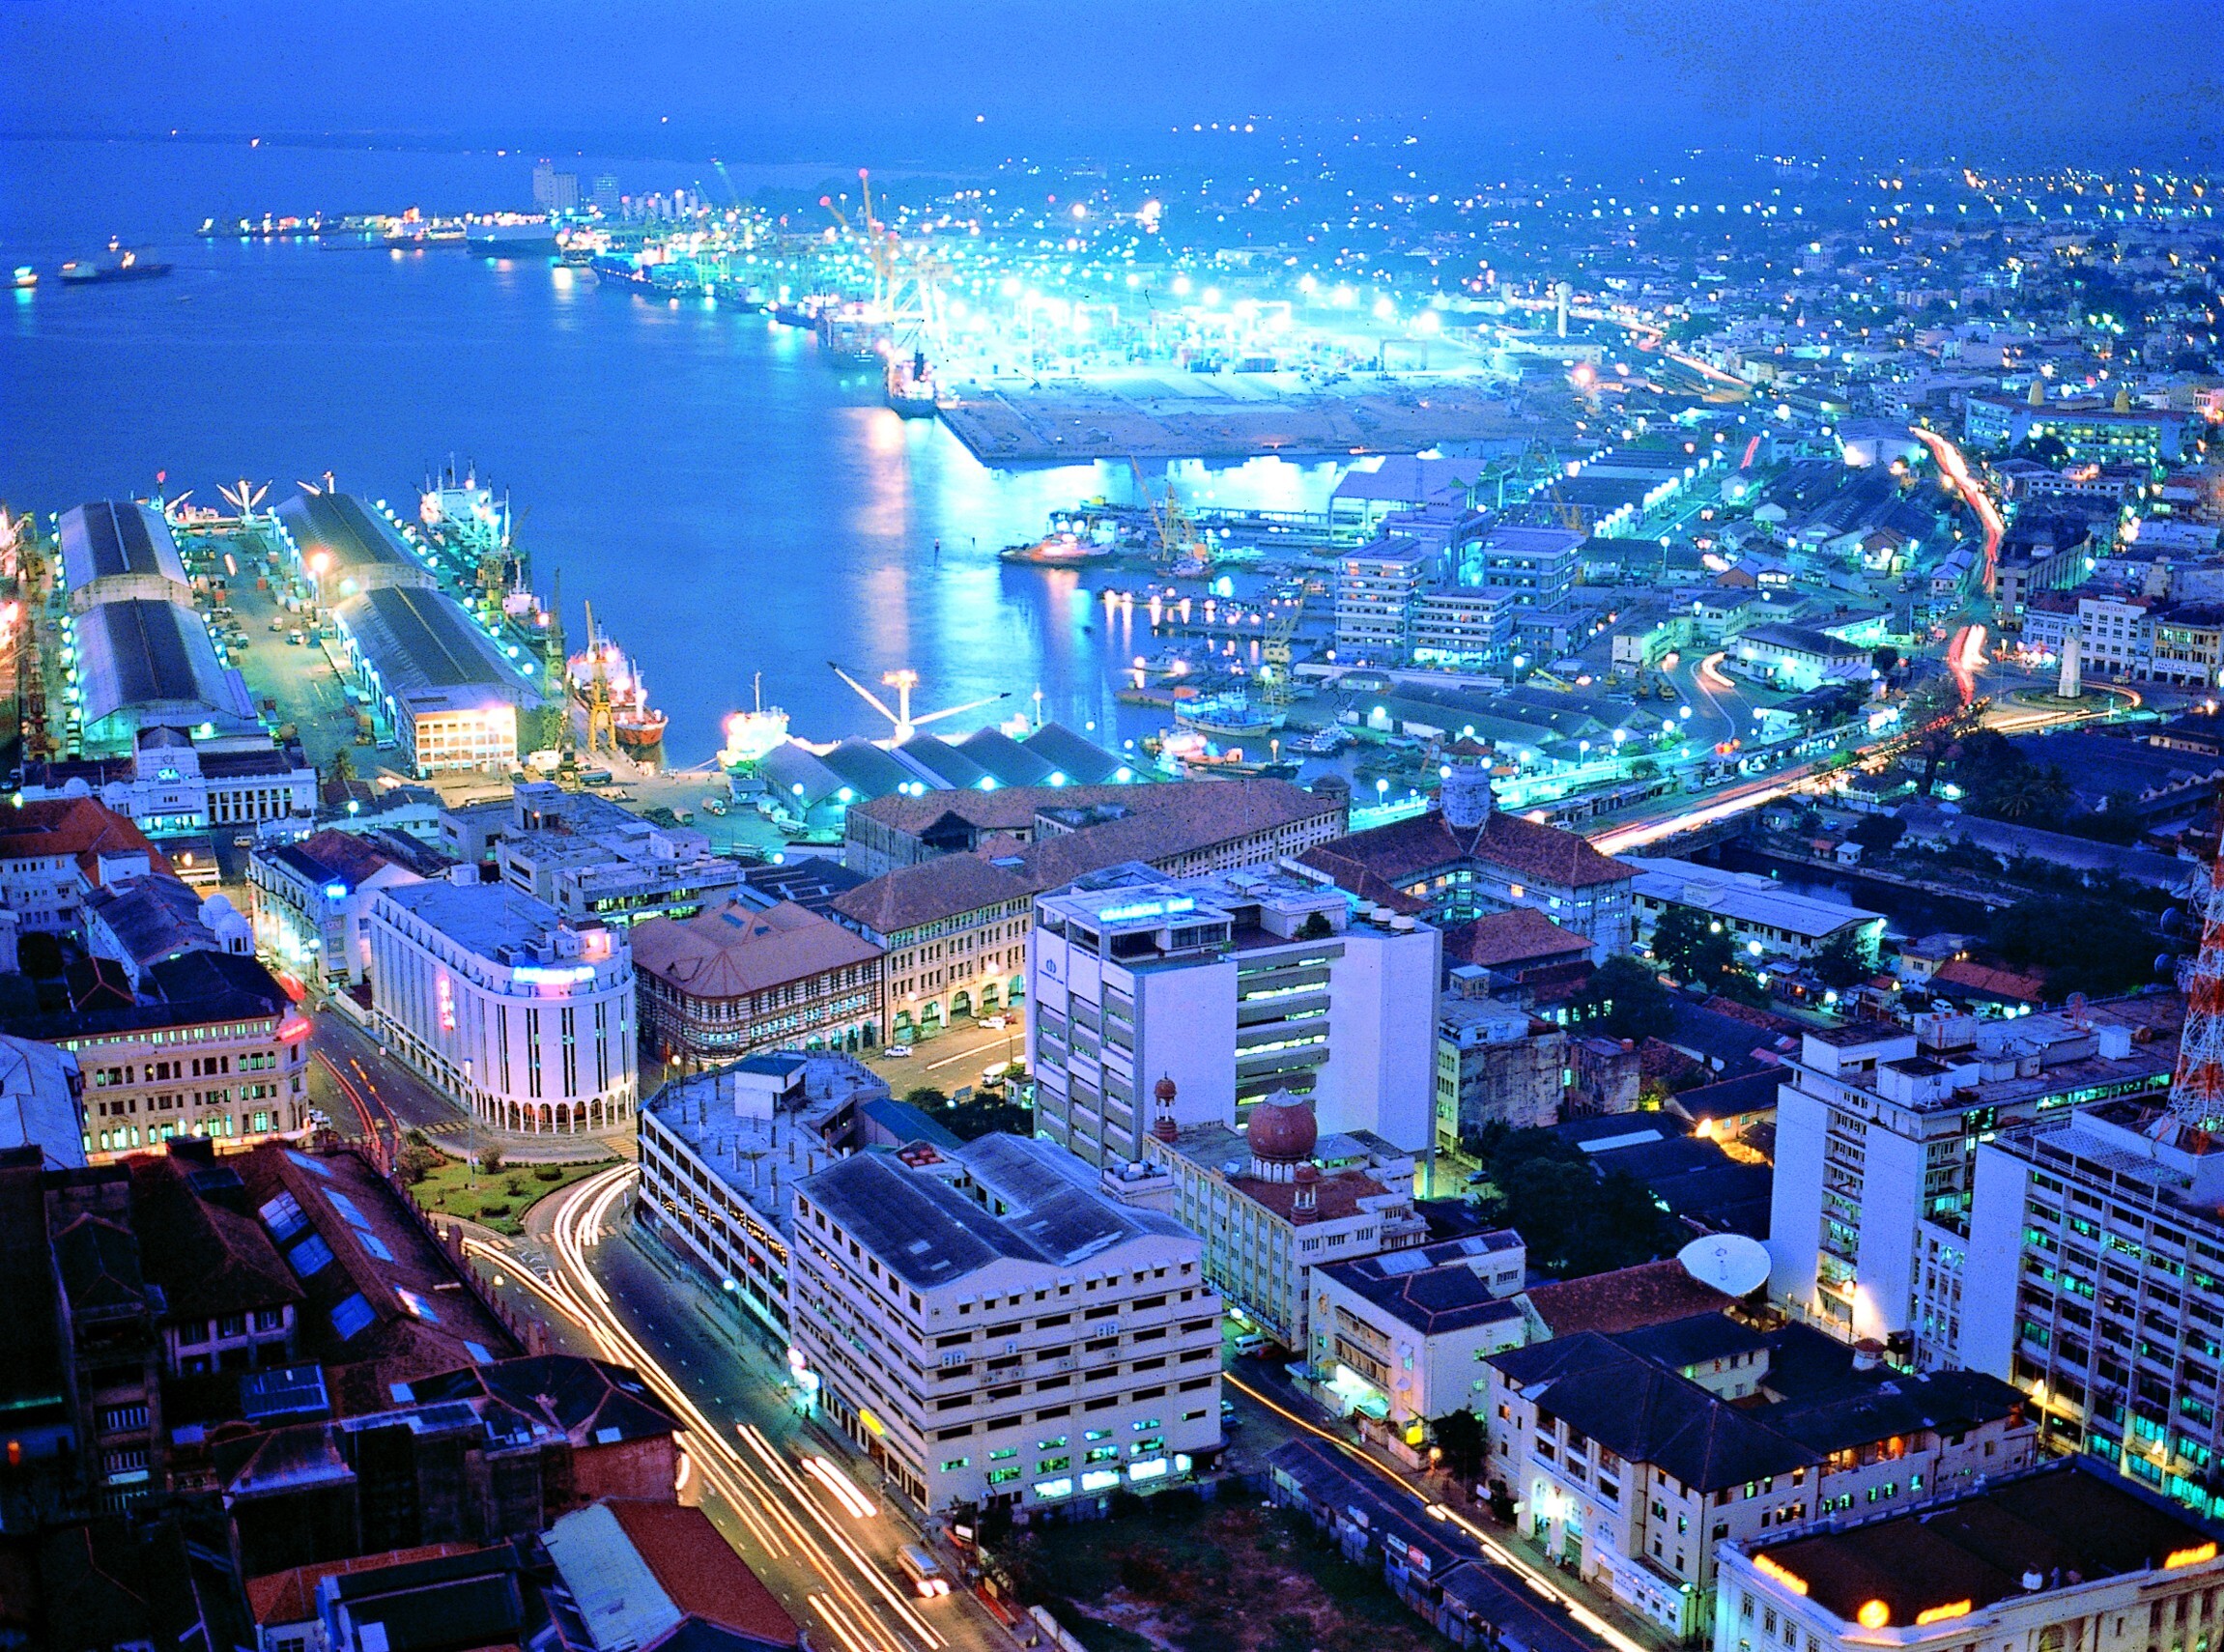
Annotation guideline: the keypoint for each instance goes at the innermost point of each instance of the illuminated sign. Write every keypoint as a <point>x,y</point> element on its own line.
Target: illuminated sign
<point>552,975</point>
<point>2192,1557</point>
<point>444,991</point>
<point>1940,1613</point>
<point>870,1421</point>
<point>1781,1573</point>
<point>1147,909</point>
<point>335,892</point>
<point>1100,1479</point>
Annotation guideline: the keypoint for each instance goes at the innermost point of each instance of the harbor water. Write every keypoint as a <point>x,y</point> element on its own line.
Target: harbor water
<point>729,502</point>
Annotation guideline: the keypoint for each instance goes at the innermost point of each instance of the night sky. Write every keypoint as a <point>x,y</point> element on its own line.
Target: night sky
<point>980,79</point>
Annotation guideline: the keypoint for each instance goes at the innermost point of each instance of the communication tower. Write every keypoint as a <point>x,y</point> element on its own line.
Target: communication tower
<point>2197,1087</point>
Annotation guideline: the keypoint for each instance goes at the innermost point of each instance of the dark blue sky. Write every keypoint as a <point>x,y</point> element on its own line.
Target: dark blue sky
<point>963,79</point>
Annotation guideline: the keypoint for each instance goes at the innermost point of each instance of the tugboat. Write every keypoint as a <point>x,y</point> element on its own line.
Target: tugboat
<point>910,387</point>
<point>122,265</point>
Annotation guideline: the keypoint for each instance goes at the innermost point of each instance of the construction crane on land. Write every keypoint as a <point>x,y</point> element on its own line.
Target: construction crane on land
<point>907,278</point>
<point>903,681</point>
<point>601,712</point>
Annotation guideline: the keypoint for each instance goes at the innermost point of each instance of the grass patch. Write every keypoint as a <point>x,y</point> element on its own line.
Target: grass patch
<point>1209,1577</point>
<point>500,1201</point>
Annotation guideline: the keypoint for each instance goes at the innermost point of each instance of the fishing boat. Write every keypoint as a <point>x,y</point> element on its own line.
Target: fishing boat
<point>1232,716</point>
<point>122,265</point>
<point>910,387</point>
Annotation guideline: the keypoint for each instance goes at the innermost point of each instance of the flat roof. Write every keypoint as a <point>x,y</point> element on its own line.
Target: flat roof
<point>2067,1517</point>
<point>490,919</point>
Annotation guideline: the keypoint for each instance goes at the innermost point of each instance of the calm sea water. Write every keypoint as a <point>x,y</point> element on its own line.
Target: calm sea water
<point>730,502</point>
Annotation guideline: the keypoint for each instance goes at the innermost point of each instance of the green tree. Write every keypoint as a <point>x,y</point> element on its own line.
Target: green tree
<point>1315,928</point>
<point>1575,1221</point>
<point>1843,960</point>
<point>414,1163</point>
<point>340,769</point>
<point>1879,833</point>
<point>1627,1000</point>
<point>926,1098</point>
<point>1461,1436</point>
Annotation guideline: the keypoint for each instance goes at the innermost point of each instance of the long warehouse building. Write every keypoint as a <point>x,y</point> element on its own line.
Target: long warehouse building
<point>436,680</point>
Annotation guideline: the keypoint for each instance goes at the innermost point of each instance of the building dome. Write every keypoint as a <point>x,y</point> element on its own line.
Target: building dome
<point>1283,1131</point>
<point>1164,1088</point>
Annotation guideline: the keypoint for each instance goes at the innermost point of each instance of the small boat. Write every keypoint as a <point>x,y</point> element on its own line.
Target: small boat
<point>124,265</point>
<point>25,277</point>
<point>1234,716</point>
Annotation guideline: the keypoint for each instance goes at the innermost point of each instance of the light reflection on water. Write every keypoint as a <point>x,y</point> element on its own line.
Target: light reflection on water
<point>728,501</point>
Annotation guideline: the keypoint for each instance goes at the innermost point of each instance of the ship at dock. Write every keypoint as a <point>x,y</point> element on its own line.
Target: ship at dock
<point>604,681</point>
<point>910,386</point>
<point>1230,716</point>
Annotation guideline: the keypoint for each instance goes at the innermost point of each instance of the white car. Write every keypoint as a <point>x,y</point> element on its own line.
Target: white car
<point>999,1022</point>
<point>896,1052</point>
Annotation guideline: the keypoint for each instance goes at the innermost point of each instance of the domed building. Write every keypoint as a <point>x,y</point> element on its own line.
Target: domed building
<point>1276,1198</point>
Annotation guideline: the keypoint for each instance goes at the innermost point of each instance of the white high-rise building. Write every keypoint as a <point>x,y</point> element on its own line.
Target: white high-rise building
<point>1877,1132</point>
<point>1237,987</point>
<point>994,1329</point>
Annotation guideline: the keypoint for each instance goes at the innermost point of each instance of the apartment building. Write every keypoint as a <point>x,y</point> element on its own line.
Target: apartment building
<point>209,1046</point>
<point>992,1330</point>
<point>1405,1334</point>
<point>2092,433</point>
<point>1277,1200</point>
<point>1635,1458</point>
<point>2094,1282</point>
<point>2060,1556</point>
<point>512,1009</point>
<point>1878,1129</point>
<point>1461,626</point>
<point>1376,588</point>
<point>1237,987</point>
<point>721,1153</point>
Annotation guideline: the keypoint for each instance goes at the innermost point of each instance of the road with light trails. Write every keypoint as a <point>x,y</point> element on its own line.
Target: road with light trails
<point>1955,469</point>
<point>832,1568</point>
<point>1540,1578</point>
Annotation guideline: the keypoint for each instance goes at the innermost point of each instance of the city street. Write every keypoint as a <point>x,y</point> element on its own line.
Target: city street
<point>953,1059</point>
<point>609,1290</point>
<point>768,1472</point>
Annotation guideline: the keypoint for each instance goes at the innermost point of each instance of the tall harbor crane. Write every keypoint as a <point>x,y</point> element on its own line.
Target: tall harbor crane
<point>903,681</point>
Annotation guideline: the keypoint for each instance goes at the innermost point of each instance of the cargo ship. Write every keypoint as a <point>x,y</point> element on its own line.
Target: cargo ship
<point>638,726</point>
<point>910,386</point>
<point>122,265</point>
<point>1056,551</point>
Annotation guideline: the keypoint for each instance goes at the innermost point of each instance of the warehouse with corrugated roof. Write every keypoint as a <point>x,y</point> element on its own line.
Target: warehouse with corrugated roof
<point>115,552</point>
<point>435,679</point>
<point>346,547</point>
<point>142,665</point>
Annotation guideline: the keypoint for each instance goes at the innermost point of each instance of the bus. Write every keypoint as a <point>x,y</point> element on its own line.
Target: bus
<point>924,1570</point>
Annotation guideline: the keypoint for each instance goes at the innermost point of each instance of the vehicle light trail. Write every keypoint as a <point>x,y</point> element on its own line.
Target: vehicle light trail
<point>746,1488</point>
<point>1955,469</point>
<point>1710,674</point>
<point>1512,1562</point>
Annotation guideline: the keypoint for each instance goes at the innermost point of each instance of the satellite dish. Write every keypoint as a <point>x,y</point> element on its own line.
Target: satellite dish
<point>1732,1263</point>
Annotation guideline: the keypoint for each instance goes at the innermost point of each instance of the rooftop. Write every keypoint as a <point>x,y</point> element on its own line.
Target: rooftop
<point>932,1233</point>
<point>2063,1521</point>
<point>155,658</point>
<point>491,920</point>
<point>1744,898</point>
<point>1627,1298</point>
<point>1408,851</point>
<point>427,654</point>
<point>734,950</point>
<point>107,539</point>
<point>1438,1287</point>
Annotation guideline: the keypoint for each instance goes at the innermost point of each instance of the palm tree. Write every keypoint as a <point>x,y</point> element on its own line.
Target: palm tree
<point>341,769</point>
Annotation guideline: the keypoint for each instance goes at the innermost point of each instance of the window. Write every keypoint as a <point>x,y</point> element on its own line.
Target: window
<point>953,1465</point>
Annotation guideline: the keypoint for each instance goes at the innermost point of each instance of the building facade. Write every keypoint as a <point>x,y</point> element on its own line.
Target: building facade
<point>1279,1201</point>
<point>1405,1334</point>
<point>1877,1132</point>
<point>1237,987</point>
<point>505,1006</point>
<point>992,1330</point>
<point>740,977</point>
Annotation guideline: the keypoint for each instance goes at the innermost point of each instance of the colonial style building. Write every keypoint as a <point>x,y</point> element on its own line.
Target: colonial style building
<point>740,977</point>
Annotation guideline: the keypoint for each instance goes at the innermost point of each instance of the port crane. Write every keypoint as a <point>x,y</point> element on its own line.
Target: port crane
<point>1177,540</point>
<point>907,278</point>
<point>601,713</point>
<point>244,497</point>
<point>1277,655</point>
<point>903,681</point>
